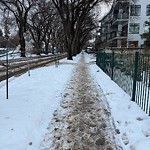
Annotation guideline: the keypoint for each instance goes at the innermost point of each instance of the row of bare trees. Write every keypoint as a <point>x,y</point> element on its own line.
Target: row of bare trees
<point>66,24</point>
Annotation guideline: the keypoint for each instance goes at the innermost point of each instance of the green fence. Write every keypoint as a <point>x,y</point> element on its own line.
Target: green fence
<point>131,71</point>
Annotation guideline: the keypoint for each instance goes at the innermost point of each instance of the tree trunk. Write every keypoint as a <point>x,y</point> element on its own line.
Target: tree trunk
<point>38,49</point>
<point>46,47</point>
<point>22,44</point>
<point>68,39</point>
<point>69,54</point>
<point>68,48</point>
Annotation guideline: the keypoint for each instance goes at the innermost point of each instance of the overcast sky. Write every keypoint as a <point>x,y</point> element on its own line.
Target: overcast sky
<point>104,10</point>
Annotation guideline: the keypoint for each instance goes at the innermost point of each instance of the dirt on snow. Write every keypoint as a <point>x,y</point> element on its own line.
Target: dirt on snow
<point>83,122</point>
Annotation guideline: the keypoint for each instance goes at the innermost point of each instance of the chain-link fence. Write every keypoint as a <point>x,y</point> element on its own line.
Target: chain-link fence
<point>131,71</point>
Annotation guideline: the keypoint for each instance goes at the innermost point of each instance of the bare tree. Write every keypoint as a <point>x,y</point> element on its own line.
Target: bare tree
<point>20,9</point>
<point>41,24</point>
<point>57,34</point>
<point>6,23</point>
<point>85,33</point>
<point>1,32</point>
<point>73,14</point>
<point>36,28</point>
<point>50,23</point>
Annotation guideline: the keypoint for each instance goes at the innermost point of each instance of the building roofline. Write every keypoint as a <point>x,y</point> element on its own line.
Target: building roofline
<point>112,8</point>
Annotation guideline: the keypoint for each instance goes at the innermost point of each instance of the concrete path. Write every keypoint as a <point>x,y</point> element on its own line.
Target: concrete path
<point>84,121</point>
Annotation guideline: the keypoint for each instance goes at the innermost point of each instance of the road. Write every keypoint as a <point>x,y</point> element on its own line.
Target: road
<point>21,65</point>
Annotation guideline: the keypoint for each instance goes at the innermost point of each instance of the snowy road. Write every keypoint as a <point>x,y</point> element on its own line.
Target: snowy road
<point>83,121</point>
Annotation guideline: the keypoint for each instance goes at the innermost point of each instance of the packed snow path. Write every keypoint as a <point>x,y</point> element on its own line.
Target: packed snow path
<point>83,122</point>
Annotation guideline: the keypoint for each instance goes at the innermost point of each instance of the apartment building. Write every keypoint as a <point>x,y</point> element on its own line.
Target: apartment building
<point>124,23</point>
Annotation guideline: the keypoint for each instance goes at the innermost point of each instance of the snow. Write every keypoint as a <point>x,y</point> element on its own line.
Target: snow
<point>32,101</point>
<point>131,121</point>
<point>25,116</point>
<point>15,54</point>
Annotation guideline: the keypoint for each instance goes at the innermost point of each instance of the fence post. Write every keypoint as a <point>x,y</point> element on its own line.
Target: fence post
<point>112,66</point>
<point>135,75</point>
<point>6,73</point>
<point>104,62</point>
<point>97,59</point>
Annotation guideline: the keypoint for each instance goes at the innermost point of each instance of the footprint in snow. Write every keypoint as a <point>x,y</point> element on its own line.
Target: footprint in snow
<point>146,133</point>
<point>125,138</point>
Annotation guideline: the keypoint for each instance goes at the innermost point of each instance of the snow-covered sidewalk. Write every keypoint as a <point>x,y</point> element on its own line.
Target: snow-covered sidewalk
<point>25,117</point>
<point>83,120</point>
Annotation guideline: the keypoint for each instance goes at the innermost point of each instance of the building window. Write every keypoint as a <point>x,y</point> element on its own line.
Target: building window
<point>134,28</point>
<point>146,28</point>
<point>135,10</point>
<point>133,44</point>
<point>148,10</point>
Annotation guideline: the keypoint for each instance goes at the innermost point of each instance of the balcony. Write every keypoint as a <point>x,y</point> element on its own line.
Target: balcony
<point>114,43</point>
<point>121,4</point>
<point>120,18</point>
<point>118,35</point>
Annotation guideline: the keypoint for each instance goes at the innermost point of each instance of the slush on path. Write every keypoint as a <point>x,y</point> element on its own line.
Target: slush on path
<point>84,121</point>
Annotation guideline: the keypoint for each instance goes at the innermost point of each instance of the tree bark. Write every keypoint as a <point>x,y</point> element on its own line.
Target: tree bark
<point>46,47</point>
<point>22,42</point>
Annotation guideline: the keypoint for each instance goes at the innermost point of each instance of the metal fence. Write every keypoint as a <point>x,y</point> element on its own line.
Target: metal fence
<point>131,71</point>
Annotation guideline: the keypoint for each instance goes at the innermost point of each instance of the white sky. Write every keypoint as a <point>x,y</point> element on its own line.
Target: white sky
<point>104,10</point>
<point>25,116</point>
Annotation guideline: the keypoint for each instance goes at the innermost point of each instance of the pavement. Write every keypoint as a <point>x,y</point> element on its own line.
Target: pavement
<point>83,122</point>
